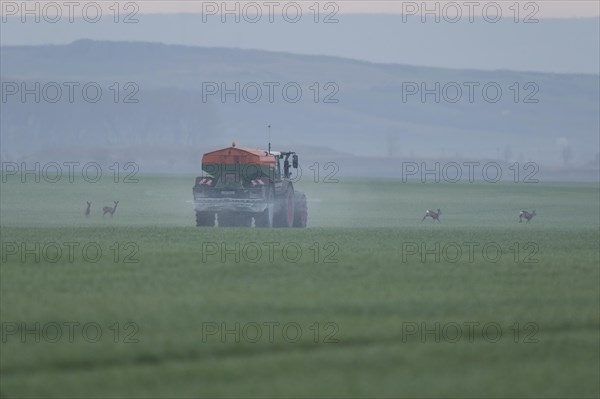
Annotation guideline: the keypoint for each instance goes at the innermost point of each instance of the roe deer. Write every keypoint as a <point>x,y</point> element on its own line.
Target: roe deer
<point>87,209</point>
<point>108,209</point>
<point>526,215</point>
<point>433,215</point>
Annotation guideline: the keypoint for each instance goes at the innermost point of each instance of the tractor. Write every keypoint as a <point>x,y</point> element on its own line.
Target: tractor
<point>242,184</point>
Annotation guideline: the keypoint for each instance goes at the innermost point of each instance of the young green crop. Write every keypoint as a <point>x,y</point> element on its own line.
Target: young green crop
<point>376,295</point>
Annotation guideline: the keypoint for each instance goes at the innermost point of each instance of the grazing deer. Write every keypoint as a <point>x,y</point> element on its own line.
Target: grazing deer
<point>87,209</point>
<point>111,210</point>
<point>433,215</point>
<point>526,215</point>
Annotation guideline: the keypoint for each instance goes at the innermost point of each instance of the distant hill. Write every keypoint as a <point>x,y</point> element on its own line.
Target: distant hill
<point>370,118</point>
<point>550,45</point>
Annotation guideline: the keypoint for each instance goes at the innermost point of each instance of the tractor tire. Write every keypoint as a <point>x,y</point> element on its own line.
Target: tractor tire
<point>301,214</point>
<point>285,216</point>
<point>265,219</point>
<point>205,219</point>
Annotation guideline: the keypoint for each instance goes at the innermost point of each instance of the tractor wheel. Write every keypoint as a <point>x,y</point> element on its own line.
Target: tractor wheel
<point>285,217</point>
<point>205,219</point>
<point>265,219</point>
<point>301,215</point>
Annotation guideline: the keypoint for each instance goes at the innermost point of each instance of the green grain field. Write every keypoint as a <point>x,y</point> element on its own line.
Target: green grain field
<point>367,302</point>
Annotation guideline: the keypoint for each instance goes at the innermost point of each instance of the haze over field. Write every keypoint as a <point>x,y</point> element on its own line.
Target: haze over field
<point>377,87</point>
<point>362,109</point>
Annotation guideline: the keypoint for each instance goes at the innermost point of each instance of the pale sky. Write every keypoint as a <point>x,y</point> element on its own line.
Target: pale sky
<point>537,9</point>
<point>540,9</point>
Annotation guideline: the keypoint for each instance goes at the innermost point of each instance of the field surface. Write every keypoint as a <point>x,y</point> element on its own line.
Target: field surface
<point>367,302</point>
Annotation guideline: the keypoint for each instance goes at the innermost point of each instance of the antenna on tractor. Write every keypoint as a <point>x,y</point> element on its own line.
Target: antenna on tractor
<point>269,129</point>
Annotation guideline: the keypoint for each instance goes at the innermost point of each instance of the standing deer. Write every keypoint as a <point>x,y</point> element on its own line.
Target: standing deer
<point>111,210</point>
<point>87,209</point>
<point>433,215</point>
<point>526,215</point>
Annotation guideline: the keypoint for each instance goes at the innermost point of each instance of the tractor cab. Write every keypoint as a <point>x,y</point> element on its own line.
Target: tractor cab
<point>285,157</point>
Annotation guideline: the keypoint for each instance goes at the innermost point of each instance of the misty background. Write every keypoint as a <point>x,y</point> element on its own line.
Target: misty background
<point>354,108</point>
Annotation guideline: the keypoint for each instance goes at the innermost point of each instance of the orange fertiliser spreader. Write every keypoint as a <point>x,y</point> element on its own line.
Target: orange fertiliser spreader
<point>238,156</point>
